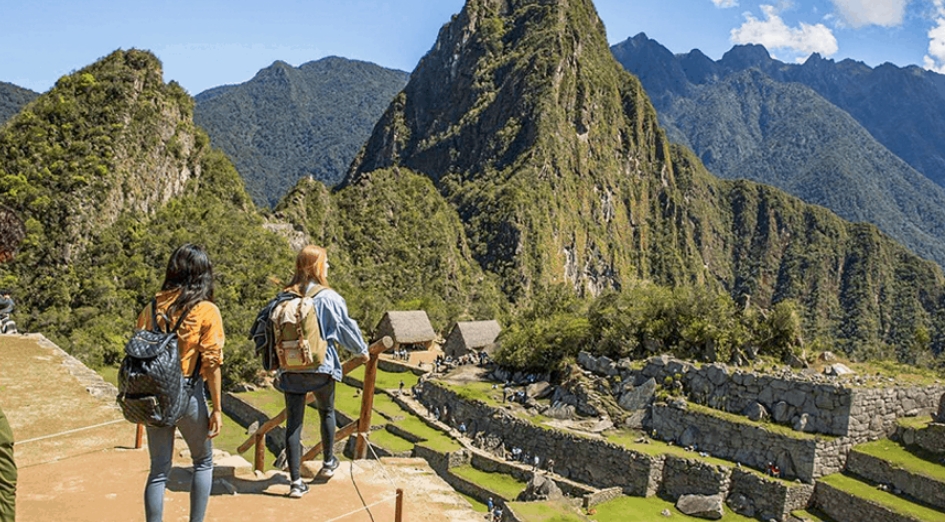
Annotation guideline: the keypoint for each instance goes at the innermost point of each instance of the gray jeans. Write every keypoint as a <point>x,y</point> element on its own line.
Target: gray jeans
<point>194,427</point>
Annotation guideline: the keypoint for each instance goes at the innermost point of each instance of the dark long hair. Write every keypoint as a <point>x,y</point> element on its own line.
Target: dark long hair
<point>189,269</point>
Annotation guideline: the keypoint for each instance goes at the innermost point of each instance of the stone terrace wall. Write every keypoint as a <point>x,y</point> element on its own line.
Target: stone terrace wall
<point>752,495</point>
<point>815,404</point>
<point>838,505</point>
<point>875,410</point>
<point>693,477</point>
<point>930,438</point>
<point>245,414</point>
<point>805,458</point>
<point>589,461</point>
<point>925,489</point>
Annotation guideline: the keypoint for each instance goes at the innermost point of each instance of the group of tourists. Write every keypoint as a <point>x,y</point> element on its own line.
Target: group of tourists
<point>187,298</point>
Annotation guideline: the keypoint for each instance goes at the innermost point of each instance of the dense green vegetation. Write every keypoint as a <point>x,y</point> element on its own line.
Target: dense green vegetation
<point>13,99</point>
<point>110,175</point>
<point>290,122</point>
<point>744,124</point>
<point>552,156</point>
<point>398,245</point>
<point>689,321</point>
<point>535,187</point>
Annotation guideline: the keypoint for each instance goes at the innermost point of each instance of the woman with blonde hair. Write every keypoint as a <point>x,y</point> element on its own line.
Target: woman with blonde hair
<point>310,282</point>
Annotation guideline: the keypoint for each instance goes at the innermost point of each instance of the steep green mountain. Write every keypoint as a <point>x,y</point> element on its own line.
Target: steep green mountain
<point>746,125</point>
<point>397,245</point>
<point>901,107</point>
<point>110,174</point>
<point>552,156</point>
<point>289,123</point>
<point>13,99</point>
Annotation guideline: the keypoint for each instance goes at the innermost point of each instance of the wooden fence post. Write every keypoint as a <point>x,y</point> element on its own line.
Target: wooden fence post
<point>399,506</point>
<point>259,462</point>
<point>367,405</point>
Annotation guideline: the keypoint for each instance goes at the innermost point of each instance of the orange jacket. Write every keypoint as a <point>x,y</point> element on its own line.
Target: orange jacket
<point>201,332</point>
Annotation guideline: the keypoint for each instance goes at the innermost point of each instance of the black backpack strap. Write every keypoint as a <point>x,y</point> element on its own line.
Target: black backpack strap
<point>154,324</point>
<point>181,319</point>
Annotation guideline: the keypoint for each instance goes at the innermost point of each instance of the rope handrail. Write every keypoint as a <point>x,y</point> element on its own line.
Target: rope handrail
<point>366,507</point>
<point>69,432</point>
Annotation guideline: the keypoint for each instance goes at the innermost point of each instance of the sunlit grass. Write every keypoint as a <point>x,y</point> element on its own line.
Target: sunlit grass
<point>649,509</point>
<point>883,498</point>
<point>901,458</point>
<point>505,486</point>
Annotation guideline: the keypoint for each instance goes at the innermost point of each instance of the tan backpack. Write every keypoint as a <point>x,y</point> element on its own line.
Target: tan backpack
<point>298,338</point>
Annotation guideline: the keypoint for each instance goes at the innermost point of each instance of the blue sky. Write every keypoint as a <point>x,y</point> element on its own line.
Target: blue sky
<point>205,43</point>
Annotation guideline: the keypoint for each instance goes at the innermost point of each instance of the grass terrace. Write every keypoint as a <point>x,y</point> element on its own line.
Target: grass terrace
<point>649,509</point>
<point>505,486</point>
<point>387,380</point>
<point>777,429</point>
<point>866,491</point>
<point>916,462</point>
<point>623,509</point>
<point>916,423</point>
<point>811,516</point>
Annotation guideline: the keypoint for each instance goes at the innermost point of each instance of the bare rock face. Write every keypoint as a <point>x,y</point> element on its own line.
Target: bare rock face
<point>701,506</point>
<point>540,487</point>
<point>638,397</point>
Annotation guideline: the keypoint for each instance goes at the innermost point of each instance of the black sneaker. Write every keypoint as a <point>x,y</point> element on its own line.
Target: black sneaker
<point>298,489</point>
<point>328,468</point>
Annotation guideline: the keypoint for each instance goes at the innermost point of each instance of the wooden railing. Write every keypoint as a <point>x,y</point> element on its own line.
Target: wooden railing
<point>361,425</point>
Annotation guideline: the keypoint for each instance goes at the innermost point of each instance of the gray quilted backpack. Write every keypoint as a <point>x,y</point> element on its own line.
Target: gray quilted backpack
<point>152,389</point>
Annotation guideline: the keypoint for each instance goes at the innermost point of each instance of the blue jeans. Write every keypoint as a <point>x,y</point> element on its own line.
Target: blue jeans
<point>323,387</point>
<point>194,427</point>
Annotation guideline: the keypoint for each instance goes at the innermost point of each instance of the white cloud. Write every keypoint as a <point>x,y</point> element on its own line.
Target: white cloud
<point>722,4</point>
<point>860,13</point>
<point>935,60</point>
<point>773,33</point>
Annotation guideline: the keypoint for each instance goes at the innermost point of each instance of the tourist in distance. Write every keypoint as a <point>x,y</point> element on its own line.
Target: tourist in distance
<point>336,326</point>
<point>188,288</point>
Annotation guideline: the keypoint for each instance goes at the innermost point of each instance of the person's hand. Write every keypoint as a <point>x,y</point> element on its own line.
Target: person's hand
<point>216,422</point>
<point>364,358</point>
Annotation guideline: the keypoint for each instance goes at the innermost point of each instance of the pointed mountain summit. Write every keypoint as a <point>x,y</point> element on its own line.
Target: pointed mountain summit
<point>552,156</point>
<point>547,148</point>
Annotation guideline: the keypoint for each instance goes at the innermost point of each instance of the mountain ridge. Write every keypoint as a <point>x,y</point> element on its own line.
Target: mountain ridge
<point>744,124</point>
<point>288,122</point>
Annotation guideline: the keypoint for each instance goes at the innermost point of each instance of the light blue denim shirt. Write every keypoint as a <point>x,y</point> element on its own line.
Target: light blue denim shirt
<point>337,328</point>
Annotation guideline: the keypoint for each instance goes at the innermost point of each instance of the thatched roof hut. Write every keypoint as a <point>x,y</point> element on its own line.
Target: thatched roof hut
<point>406,328</point>
<point>469,336</point>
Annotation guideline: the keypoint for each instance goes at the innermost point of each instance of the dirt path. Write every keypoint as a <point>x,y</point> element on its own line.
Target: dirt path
<point>94,475</point>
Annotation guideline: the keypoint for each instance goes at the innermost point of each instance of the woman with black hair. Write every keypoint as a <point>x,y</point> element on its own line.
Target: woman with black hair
<point>188,291</point>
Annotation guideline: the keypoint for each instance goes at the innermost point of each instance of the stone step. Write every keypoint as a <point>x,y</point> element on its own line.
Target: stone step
<point>915,473</point>
<point>847,499</point>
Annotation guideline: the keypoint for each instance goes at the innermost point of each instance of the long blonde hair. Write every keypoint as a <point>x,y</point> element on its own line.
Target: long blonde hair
<point>311,265</point>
